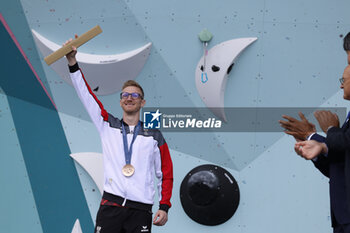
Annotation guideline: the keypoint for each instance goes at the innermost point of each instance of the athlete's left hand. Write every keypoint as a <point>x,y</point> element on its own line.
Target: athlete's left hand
<point>160,218</point>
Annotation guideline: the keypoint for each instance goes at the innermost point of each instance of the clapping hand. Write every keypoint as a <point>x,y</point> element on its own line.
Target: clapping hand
<point>299,129</point>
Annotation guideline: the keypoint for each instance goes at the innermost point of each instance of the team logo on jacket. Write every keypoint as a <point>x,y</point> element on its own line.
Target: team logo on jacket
<point>152,119</point>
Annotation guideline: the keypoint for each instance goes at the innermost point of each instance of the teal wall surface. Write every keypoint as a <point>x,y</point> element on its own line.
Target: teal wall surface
<point>37,140</point>
<point>296,62</point>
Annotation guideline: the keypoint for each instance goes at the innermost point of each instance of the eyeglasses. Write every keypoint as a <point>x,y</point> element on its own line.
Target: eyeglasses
<point>134,95</point>
<point>341,80</point>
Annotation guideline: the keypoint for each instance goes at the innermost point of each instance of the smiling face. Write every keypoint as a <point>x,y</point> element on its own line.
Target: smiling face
<point>346,84</point>
<point>130,105</point>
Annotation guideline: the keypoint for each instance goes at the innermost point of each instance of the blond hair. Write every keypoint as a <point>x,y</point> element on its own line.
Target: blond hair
<point>134,84</point>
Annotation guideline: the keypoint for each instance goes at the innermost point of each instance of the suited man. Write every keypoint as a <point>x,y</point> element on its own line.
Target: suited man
<point>346,46</point>
<point>330,154</point>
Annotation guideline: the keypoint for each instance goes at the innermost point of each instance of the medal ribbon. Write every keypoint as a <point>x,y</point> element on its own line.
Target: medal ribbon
<point>127,151</point>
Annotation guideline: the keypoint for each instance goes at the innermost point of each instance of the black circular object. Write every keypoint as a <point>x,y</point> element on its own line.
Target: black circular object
<point>209,195</point>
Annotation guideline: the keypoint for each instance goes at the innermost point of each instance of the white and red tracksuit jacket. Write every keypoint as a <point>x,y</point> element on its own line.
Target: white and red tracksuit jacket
<point>150,155</point>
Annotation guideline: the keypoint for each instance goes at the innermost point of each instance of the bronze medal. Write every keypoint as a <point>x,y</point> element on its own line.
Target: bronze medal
<point>128,170</point>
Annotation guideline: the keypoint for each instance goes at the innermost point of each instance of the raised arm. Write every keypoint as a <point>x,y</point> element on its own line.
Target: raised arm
<point>93,106</point>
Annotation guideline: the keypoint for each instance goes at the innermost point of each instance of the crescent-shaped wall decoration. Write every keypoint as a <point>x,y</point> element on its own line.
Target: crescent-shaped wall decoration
<point>93,165</point>
<point>211,82</point>
<point>104,73</point>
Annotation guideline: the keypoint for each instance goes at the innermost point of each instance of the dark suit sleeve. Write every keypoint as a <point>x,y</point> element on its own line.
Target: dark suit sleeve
<point>338,139</point>
<point>322,162</point>
<point>318,138</point>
